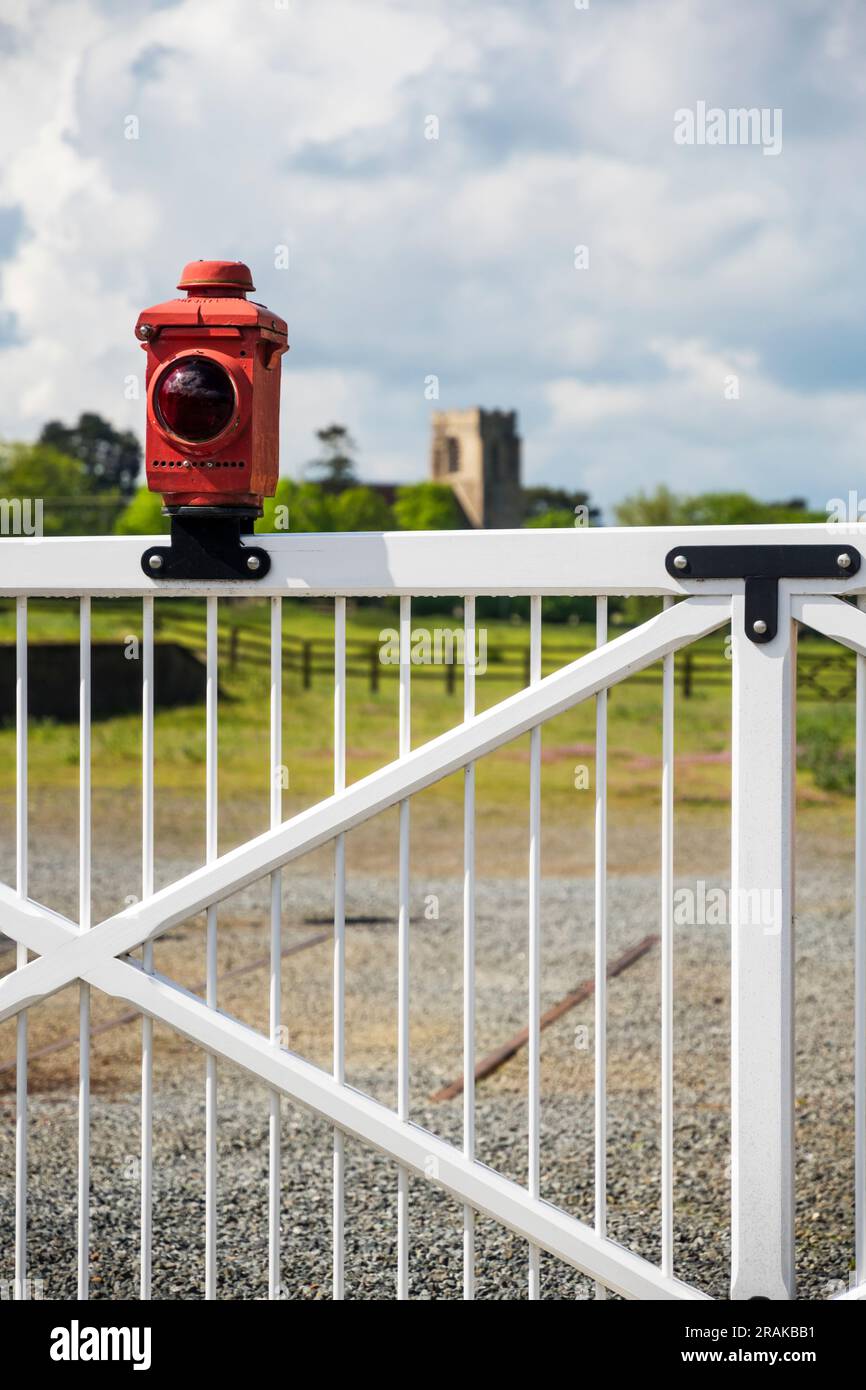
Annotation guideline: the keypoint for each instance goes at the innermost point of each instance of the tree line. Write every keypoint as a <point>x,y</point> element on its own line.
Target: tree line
<point>87,476</point>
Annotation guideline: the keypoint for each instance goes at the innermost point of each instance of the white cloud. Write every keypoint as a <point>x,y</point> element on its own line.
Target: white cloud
<point>768,440</point>
<point>261,125</point>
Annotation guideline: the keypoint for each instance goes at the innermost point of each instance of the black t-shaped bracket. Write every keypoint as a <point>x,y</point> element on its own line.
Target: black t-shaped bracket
<point>206,544</point>
<point>762,566</point>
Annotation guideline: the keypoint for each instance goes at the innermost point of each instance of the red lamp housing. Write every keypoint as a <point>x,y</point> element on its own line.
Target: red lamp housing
<point>213,391</point>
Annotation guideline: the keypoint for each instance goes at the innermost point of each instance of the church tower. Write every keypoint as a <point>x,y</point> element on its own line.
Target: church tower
<point>477,453</point>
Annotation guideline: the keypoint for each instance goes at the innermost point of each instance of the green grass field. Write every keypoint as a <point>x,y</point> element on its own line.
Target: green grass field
<point>702,721</point>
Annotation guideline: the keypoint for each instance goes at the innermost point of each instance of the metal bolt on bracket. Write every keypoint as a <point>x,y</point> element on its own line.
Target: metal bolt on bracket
<point>762,566</point>
<point>208,543</point>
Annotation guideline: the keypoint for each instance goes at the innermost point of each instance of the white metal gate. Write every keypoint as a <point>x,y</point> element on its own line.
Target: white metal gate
<point>54,952</point>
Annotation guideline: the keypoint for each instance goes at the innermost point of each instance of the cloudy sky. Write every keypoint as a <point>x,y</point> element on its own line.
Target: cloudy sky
<point>714,339</point>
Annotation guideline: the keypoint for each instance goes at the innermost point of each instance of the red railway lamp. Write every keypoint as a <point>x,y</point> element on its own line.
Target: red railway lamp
<point>213,409</point>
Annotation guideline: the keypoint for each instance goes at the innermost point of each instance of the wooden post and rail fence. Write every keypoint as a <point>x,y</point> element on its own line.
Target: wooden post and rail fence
<point>820,675</point>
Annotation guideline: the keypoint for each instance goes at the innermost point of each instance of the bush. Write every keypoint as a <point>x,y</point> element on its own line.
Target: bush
<point>555,517</point>
<point>143,516</point>
<point>284,497</point>
<point>361,509</point>
<point>427,507</point>
<point>38,472</point>
<point>311,509</point>
<point>825,751</point>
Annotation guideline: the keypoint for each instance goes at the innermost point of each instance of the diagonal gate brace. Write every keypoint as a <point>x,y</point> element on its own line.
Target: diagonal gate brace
<point>762,566</point>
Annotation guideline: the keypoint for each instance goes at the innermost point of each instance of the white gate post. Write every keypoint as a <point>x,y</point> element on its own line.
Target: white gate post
<point>762,1028</point>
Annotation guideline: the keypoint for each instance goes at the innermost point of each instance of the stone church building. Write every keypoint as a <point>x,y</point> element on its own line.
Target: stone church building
<point>477,453</point>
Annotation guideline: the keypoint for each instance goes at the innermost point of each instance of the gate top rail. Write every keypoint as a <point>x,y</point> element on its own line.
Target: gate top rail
<point>568,561</point>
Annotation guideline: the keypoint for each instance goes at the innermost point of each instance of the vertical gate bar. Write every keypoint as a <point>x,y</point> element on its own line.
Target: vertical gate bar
<point>21,875</point>
<point>275,1000</point>
<point>469,659</point>
<point>762,1030</point>
<point>84,847</point>
<point>405,744</point>
<point>860,978</point>
<point>211,752</point>
<point>339,942</point>
<point>667,962</point>
<point>147,954</point>
<point>534,945</point>
<point>601,942</point>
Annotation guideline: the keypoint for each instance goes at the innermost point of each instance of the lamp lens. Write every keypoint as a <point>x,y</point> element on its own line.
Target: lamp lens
<point>195,399</point>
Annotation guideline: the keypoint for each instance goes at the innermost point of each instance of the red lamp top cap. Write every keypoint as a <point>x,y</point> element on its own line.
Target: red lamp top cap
<point>228,275</point>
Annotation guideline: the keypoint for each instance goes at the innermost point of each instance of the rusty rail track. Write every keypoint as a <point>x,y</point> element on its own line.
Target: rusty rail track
<point>495,1059</point>
<point>130,1015</point>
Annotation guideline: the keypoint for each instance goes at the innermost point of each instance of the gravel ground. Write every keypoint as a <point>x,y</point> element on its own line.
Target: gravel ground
<point>824,1115</point>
